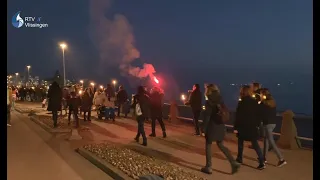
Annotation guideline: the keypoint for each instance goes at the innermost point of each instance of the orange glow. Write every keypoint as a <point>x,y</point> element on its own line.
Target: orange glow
<point>183,97</point>
<point>156,80</point>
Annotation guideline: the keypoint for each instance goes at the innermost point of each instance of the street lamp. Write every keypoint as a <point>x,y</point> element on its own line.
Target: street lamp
<point>28,67</point>
<point>17,74</point>
<point>63,47</point>
<point>114,82</point>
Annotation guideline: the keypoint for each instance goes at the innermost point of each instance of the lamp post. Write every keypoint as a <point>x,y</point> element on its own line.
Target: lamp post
<point>28,68</point>
<point>17,74</point>
<point>63,47</point>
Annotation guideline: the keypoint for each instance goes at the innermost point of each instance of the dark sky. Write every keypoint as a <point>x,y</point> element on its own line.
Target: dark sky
<point>195,39</point>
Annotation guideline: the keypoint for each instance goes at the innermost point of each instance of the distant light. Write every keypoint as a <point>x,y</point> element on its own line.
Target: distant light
<point>204,107</point>
<point>232,84</point>
<point>114,82</point>
<point>92,84</point>
<point>278,84</point>
<point>183,97</point>
<point>101,87</point>
<point>253,95</point>
<point>63,46</point>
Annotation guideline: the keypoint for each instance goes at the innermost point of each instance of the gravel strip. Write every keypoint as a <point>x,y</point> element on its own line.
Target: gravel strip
<point>62,122</point>
<point>135,164</point>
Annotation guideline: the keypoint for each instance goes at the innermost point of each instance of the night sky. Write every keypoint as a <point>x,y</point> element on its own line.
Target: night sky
<point>187,41</point>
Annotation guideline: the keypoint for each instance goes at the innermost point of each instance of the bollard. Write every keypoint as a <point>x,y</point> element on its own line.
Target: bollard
<point>173,111</point>
<point>288,138</point>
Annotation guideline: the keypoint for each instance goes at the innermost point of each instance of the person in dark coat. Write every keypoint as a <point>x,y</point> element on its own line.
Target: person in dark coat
<point>141,107</point>
<point>247,124</point>
<point>215,129</point>
<point>156,97</point>
<point>73,103</point>
<point>195,102</point>
<point>122,98</point>
<point>86,104</point>
<point>268,115</point>
<point>54,101</point>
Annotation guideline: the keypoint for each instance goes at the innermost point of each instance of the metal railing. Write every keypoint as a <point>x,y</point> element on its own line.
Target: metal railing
<point>231,126</point>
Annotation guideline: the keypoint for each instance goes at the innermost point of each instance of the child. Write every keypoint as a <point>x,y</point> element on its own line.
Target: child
<point>73,104</point>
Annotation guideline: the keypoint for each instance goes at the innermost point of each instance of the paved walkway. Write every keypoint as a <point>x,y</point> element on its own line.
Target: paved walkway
<point>188,151</point>
<point>30,155</point>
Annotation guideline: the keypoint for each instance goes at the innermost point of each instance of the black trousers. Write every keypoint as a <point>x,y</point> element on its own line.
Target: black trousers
<point>141,131</point>
<point>223,149</point>
<point>8,113</point>
<point>121,106</point>
<point>153,124</point>
<point>87,117</point>
<point>75,115</point>
<point>196,115</point>
<point>55,118</point>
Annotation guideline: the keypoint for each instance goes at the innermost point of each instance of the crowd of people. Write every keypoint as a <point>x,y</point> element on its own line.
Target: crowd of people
<point>255,115</point>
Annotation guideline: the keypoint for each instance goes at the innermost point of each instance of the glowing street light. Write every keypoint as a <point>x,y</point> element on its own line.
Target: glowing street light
<point>114,82</point>
<point>28,67</point>
<point>101,87</point>
<point>63,47</point>
<point>183,97</point>
<point>17,74</point>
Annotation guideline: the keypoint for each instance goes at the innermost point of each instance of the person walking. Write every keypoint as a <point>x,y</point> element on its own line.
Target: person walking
<point>86,104</point>
<point>141,107</point>
<point>122,98</point>
<point>73,103</point>
<point>215,129</point>
<point>268,115</point>
<point>156,97</point>
<point>54,101</point>
<point>195,101</point>
<point>247,124</point>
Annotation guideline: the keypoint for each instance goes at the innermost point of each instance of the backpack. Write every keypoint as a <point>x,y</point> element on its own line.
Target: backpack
<point>223,112</point>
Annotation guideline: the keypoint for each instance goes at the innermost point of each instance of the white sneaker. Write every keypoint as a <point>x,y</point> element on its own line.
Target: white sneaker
<point>8,125</point>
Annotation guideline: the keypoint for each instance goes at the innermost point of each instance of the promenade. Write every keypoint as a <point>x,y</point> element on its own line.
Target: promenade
<point>180,148</point>
<point>35,154</point>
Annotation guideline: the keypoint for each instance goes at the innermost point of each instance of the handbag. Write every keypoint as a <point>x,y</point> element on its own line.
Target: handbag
<point>138,110</point>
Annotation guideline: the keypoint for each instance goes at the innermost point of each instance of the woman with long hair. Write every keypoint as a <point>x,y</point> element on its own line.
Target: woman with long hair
<point>141,107</point>
<point>268,114</point>
<point>214,128</point>
<point>247,124</point>
<point>195,101</point>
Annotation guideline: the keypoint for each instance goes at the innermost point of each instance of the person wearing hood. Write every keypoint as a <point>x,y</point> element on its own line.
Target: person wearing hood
<point>214,128</point>
<point>54,101</point>
<point>268,114</point>
<point>195,102</point>
<point>156,97</point>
